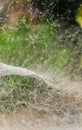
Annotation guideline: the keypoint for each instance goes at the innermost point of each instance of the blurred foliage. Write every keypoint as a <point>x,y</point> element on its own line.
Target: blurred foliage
<point>34,46</point>
<point>18,92</point>
<point>38,45</point>
<point>53,46</point>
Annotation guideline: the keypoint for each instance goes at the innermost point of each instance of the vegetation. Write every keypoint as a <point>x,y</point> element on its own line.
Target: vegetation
<point>47,46</point>
<point>18,92</point>
<point>33,46</point>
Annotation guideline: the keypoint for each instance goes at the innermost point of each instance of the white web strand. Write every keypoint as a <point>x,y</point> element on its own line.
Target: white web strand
<point>8,69</point>
<point>12,70</point>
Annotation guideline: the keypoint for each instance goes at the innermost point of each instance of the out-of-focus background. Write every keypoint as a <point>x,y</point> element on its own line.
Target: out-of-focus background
<point>44,36</point>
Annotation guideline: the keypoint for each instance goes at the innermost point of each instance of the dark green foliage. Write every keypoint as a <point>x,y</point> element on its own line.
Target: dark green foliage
<point>18,91</point>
